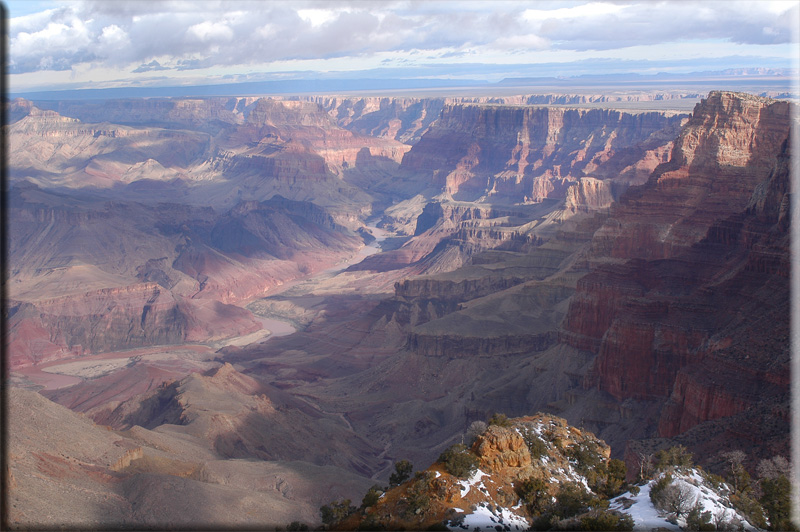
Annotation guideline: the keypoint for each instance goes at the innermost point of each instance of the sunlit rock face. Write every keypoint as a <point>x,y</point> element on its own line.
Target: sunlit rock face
<point>691,303</point>
<point>527,154</point>
<point>661,312</point>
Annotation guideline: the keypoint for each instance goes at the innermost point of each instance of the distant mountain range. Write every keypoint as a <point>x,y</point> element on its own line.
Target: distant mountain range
<point>765,81</point>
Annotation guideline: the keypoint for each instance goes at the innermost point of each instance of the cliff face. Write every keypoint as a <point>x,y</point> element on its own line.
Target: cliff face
<point>90,276</point>
<point>407,119</point>
<point>691,305</point>
<point>213,151</point>
<point>529,153</point>
<point>664,314</point>
<point>403,119</point>
<point>497,171</point>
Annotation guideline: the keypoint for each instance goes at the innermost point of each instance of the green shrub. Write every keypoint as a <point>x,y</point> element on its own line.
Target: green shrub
<point>534,494</point>
<point>674,457</point>
<point>712,480</point>
<point>501,420</point>
<point>544,522</point>
<point>336,511</point>
<point>750,508</point>
<point>402,471</point>
<point>659,486</point>
<point>697,519</point>
<point>531,489</point>
<point>606,521</point>
<point>459,461</point>
<point>417,498</point>
<point>372,496</point>
<point>777,503</point>
<point>536,447</point>
<point>371,522</point>
<point>571,499</point>
<point>615,481</point>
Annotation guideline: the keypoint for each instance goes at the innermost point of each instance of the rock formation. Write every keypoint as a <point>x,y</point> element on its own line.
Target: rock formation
<point>85,280</point>
<point>68,471</point>
<point>525,154</point>
<point>532,448</point>
<point>681,294</point>
<point>628,271</point>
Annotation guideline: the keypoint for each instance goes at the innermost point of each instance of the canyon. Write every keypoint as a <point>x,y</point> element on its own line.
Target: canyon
<point>264,303</point>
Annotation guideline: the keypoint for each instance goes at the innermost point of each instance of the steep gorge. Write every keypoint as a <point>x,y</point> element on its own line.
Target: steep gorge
<point>626,271</point>
<point>680,303</point>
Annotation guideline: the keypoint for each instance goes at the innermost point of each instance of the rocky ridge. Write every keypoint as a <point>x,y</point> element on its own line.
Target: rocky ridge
<point>538,449</point>
<point>95,282</point>
<point>608,318</point>
<point>165,477</point>
<point>527,154</point>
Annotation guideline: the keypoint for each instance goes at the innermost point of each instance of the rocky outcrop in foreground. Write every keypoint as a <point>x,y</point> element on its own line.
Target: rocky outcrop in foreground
<point>492,477</point>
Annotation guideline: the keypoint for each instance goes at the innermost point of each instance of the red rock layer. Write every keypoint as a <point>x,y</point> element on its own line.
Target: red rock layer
<point>528,153</point>
<point>693,308</point>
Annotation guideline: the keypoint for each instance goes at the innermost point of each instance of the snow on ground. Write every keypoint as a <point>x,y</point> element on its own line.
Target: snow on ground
<point>646,516</point>
<point>487,517</point>
<point>710,500</point>
<point>472,481</point>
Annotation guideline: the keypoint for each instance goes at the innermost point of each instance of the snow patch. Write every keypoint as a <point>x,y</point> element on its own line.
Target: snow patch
<point>487,517</point>
<point>646,516</point>
<point>472,481</point>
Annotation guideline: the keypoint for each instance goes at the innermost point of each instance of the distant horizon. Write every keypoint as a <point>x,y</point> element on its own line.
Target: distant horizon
<point>67,45</point>
<point>776,83</point>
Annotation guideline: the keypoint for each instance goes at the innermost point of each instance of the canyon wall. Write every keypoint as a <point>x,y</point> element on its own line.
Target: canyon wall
<point>527,154</point>
<point>628,271</point>
<point>663,314</point>
<point>688,303</point>
<point>90,276</point>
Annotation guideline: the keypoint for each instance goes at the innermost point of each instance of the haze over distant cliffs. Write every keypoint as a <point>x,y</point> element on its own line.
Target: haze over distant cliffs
<point>421,263</point>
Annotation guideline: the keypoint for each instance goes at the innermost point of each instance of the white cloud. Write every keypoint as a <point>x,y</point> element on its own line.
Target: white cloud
<point>114,37</point>
<point>210,31</point>
<point>522,42</point>
<point>245,35</point>
<point>317,17</point>
<point>592,9</point>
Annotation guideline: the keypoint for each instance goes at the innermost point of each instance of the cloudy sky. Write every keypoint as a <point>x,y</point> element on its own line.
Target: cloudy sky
<point>108,43</point>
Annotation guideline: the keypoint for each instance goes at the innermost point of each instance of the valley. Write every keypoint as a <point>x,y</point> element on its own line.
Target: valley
<point>265,303</point>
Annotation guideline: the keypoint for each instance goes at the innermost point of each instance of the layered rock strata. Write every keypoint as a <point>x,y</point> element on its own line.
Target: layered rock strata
<point>85,280</point>
<point>527,154</point>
